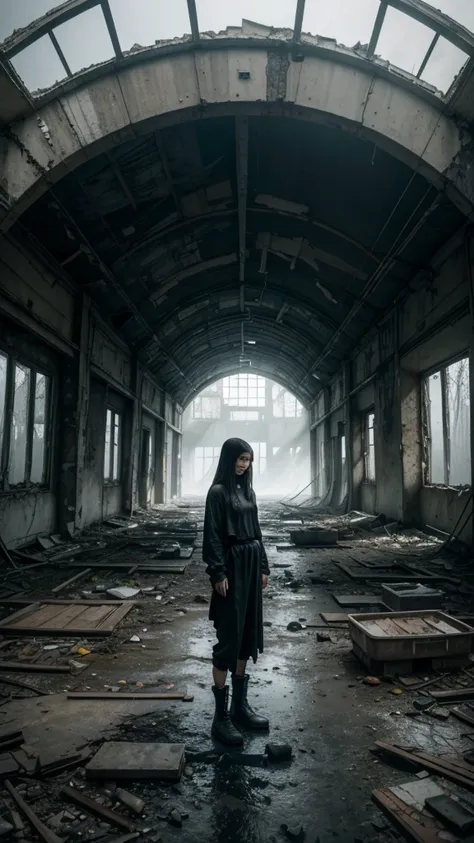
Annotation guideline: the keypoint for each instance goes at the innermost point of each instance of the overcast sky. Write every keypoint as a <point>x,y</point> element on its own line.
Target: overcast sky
<point>85,41</point>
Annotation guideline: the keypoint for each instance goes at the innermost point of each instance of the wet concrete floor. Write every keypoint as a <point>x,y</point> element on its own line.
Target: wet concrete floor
<point>311,692</point>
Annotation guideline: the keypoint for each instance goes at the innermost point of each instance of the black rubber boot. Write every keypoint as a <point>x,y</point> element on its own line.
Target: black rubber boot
<point>240,711</point>
<point>222,727</point>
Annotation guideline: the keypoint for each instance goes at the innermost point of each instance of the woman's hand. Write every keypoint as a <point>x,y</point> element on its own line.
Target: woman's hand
<point>264,581</point>
<point>222,587</point>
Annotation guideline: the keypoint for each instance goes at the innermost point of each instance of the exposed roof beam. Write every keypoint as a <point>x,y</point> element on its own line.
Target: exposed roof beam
<point>110,277</point>
<point>169,176</point>
<point>110,23</point>
<point>428,55</point>
<point>120,178</point>
<point>374,38</point>
<point>193,19</point>
<point>242,156</point>
<point>450,29</point>
<point>61,56</point>
<point>375,280</point>
<point>298,20</point>
<point>22,38</point>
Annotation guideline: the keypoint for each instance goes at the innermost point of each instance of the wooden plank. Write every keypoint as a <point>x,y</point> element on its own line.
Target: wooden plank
<point>25,601</point>
<point>388,626</point>
<point>39,618</point>
<point>72,580</point>
<point>357,599</point>
<point>45,833</point>
<point>127,695</point>
<point>133,761</point>
<point>372,628</point>
<point>110,623</point>
<point>93,807</point>
<point>454,695</point>
<point>64,617</point>
<point>92,616</point>
<point>31,607</point>
<point>404,818</point>
<point>24,667</point>
<point>335,617</point>
<point>79,617</point>
<point>415,626</point>
<point>443,627</point>
<point>464,716</point>
<point>431,763</point>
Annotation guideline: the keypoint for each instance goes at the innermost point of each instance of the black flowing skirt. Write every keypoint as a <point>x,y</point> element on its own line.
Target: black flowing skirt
<point>238,617</point>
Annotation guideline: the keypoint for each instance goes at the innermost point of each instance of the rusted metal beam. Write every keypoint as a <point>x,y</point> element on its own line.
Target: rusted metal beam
<point>298,20</point>
<point>450,29</point>
<point>193,19</point>
<point>22,38</point>
<point>109,20</point>
<point>374,38</point>
<point>62,57</point>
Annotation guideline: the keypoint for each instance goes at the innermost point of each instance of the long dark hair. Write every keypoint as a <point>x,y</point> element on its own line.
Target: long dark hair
<point>225,473</point>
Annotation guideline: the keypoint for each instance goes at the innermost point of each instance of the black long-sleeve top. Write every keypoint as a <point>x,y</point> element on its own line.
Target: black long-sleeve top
<point>223,526</point>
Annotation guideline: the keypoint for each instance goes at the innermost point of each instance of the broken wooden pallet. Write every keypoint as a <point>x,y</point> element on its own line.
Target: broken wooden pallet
<point>406,819</point>
<point>456,771</point>
<point>66,618</point>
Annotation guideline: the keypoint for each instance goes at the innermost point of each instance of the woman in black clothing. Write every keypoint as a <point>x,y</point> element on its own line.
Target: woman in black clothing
<point>238,569</point>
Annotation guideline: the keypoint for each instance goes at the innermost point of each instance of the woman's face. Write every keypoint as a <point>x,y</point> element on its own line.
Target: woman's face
<point>242,463</point>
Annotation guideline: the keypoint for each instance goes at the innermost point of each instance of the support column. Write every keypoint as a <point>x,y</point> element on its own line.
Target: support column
<point>131,500</point>
<point>73,413</point>
<point>469,269</point>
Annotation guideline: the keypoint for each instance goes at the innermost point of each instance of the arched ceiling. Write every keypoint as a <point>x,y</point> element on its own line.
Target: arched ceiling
<point>217,234</point>
<point>325,211</point>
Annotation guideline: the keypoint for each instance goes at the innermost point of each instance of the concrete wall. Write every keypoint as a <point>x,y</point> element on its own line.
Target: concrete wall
<point>426,329</point>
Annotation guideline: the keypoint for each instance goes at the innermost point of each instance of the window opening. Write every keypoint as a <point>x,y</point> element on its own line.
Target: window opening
<point>447,425</point>
<point>113,433</point>
<point>369,447</point>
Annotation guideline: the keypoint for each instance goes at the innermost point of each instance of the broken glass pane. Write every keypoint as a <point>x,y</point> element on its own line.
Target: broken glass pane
<point>217,15</point>
<point>39,430</point>
<point>458,401</point>
<point>108,434</point>
<point>3,389</point>
<point>444,65</point>
<point>147,21</point>
<point>85,40</point>
<point>348,23</point>
<point>38,65</point>
<point>19,429</point>
<point>435,434</point>
<point>403,41</point>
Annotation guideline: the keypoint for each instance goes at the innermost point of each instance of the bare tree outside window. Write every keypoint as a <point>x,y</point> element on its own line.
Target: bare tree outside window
<point>369,447</point>
<point>447,425</point>
<point>18,437</point>
<point>38,451</point>
<point>112,446</point>
<point>285,405</point>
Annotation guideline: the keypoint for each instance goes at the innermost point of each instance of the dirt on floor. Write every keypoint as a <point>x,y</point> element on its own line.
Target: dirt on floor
<point>308,682</point>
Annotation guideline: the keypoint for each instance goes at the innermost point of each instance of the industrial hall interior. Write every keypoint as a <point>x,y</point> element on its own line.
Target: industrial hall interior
<point>235,220</point>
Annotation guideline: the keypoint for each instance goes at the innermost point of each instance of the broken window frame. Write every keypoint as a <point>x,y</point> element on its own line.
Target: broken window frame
<point>114,460</point>
<point>6,433</point>
<point>427,436</point>
<point>213,411</point>
<point>370,470</point>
